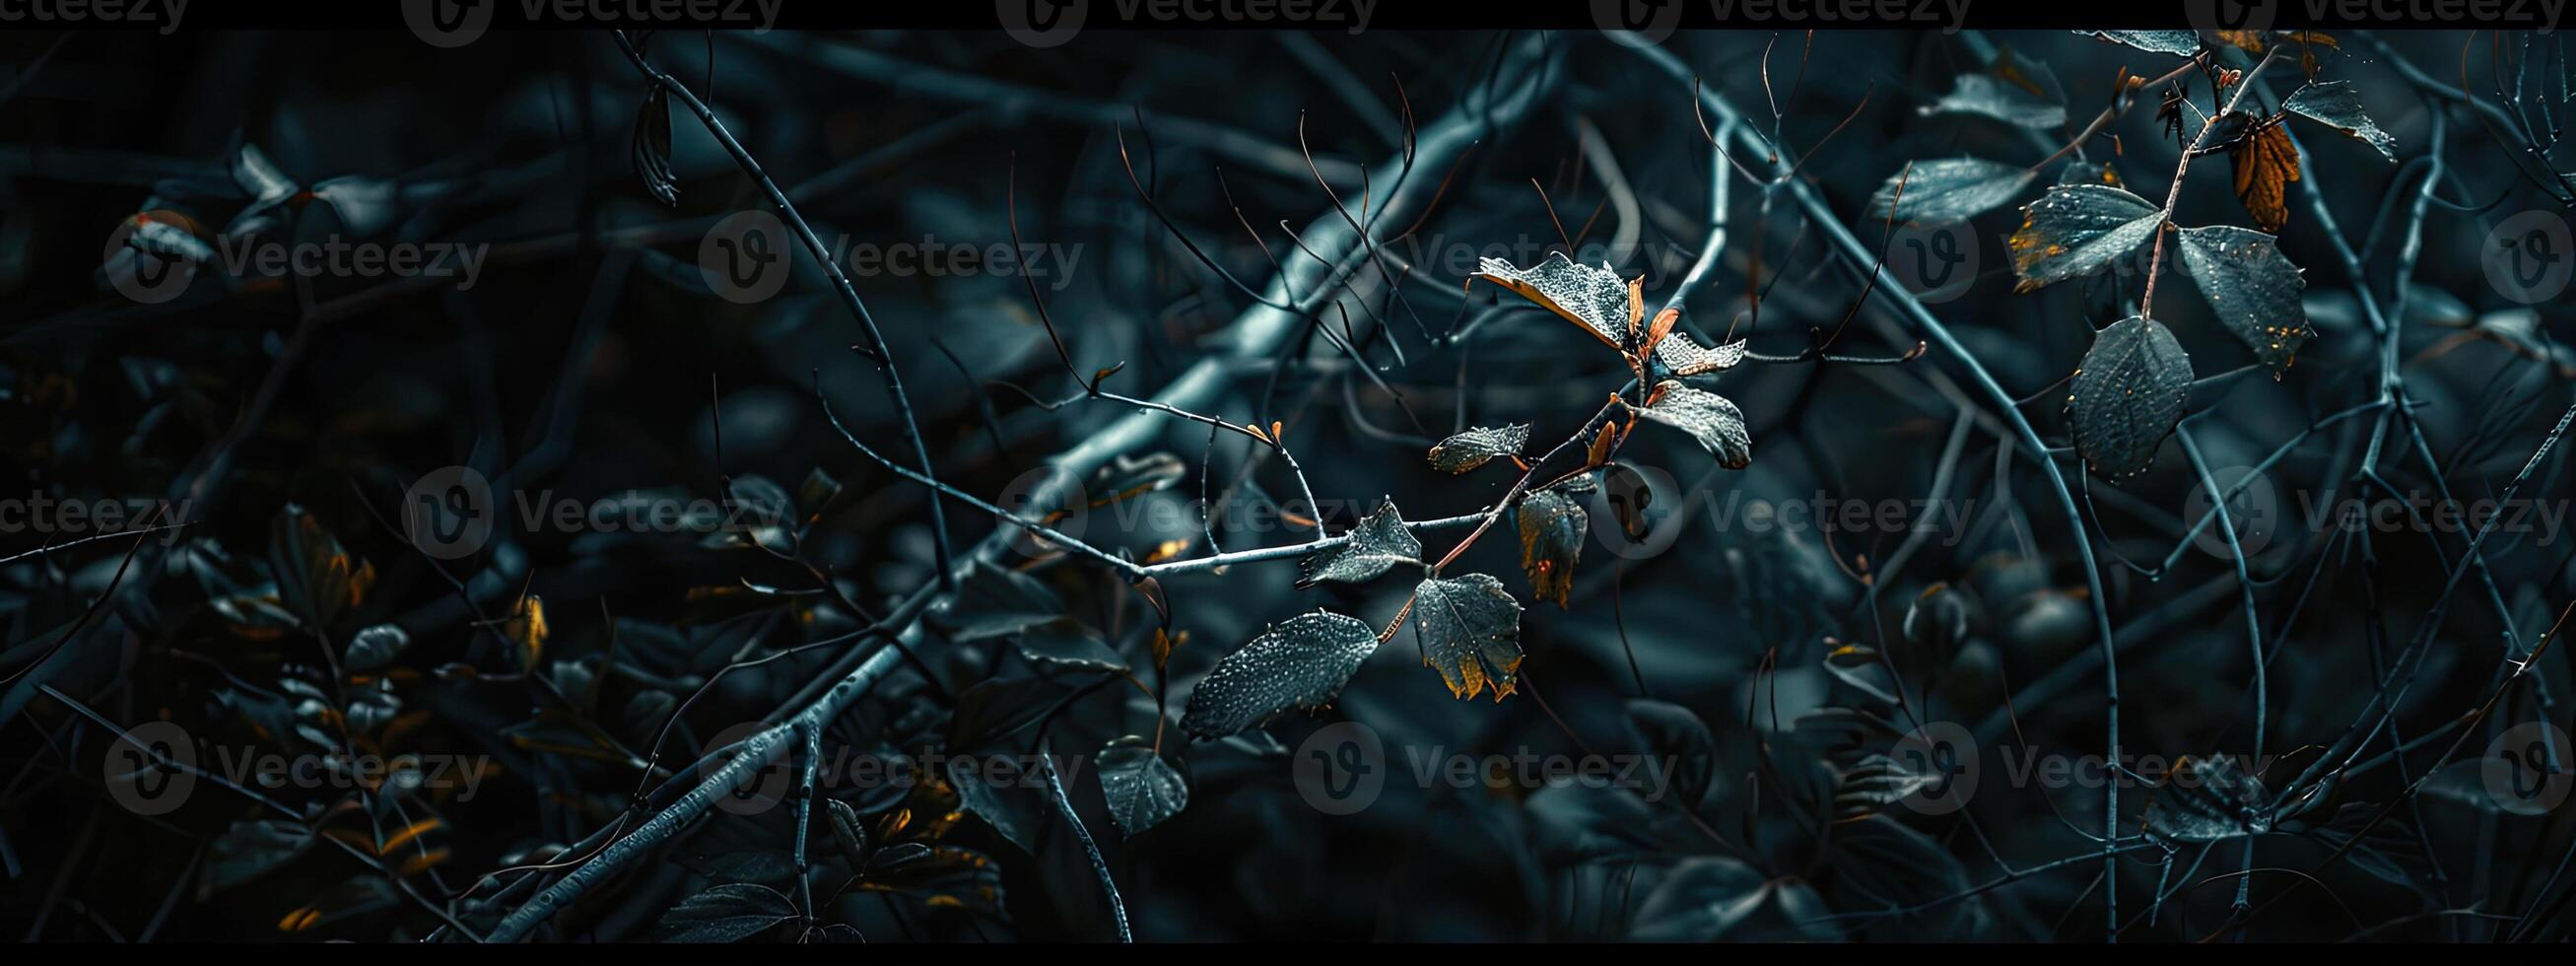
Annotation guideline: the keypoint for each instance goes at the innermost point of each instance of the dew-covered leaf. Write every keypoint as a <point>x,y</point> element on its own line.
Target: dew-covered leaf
<point>1142,788</point>
<point>1552,527</point>
<point>1948,189</point>
<point>2075,230</point>
<point>1468,450</point>
<point>2337,104</point>
<point>2128,396</point>
<point>1684,356</point>
<point>727,913</point>
<point>1471,632</point>
<point>1707,416</point>
<point>2206,800</point>
<point>2180,43</point>
<point>1594,298</point>
<point>2254,291</point>
<point>1380,542</point>
<point>1987,95</point>
<point>1300,663</point>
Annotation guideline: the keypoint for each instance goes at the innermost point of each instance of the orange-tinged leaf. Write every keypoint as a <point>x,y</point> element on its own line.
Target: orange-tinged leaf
<point>2266,162</point>
<point>1594,298</point>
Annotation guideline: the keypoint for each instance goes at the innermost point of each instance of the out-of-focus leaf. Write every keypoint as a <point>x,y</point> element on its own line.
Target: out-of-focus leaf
<point>316,577</point>
<point>1859,665</point>
<point>1682,755</point>
<point>1065,642</point>
<point>1594,298</point>
<point>2180,43</point>
<point>2089,172</point>
<point>249,850</point>
<point>2075,230</point>
<point>375,647</point>
<point>651,149</point>
<point>2254,291</point>
<point>996,601</point>
<point>1142,788</point>
<point>1987,95</point>
<point>1552,529</point>
<point>1948,189</point>
<point>1707,898</point>
<point>2337,104</point>
<point>2128,396</point>
<point>1471,632</point>
<point>1937,621</point>
<point>1877,781</point>
<point>728,913</point>
<point>1707,416</point>
<point>1301,663</point>
<point>1468,450</point>
<point>1380,542</point>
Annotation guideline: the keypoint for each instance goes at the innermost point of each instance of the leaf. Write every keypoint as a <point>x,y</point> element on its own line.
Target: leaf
<point>1948,189</point>
<point>850,834</point>
<point>1380,542</point>
<point>651,149</point>
<point>1878,781</point>
<point>1683,754</point>
<point>1594,298</point>
<point>2208,800</point>
<point>1859,665</point>
<point>375,647</point>
<point>2180,43</point>
<point>1142,788</point>
<point>1707,898</point>
<point>2089,172</point>
<point>2128,396</point>
<point>2254,291</point>
<point>1990,96</point>
<point>2076,230</point>
<point>525,629</point>
<point>1473,448</point>
<point>1068,643</point>
<point>1684,356</point>
<point>249,850</point>
<point>1707,416</point>
<point>1301,663</point>
<point>728,913</point>
<point>2337,104</point>
<point>1552,528</point>
<point>996,602</point>
<point>1470,628</point>
<point>2266,162</point>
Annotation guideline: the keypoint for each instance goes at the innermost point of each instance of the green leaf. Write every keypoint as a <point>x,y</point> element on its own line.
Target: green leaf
<point>1473,448</point>
<point>1948,189</point>
<point>1993,97</point>
<point>726,914</point>
<point>1471,631</point>
<point>1301,663</point>
<point>2076,230</point>
<point>2337,104</point>
<point>1552,528</point>
<point>2128,396</point>
<point>2180,43</point>
<point>1380,542</point>
<point>1708,417</point>
<point>2252,288</point>
<point>1594,298</point>
<point>1142,788</point>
